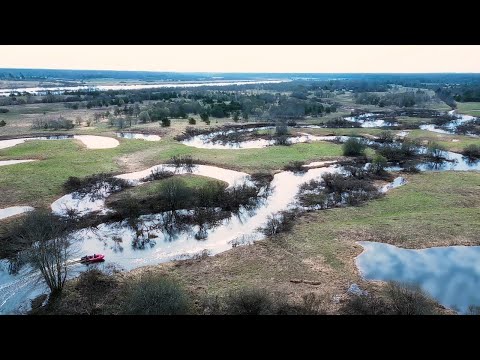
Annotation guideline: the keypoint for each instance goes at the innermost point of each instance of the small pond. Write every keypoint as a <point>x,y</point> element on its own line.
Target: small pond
<point>137,136</point>
<point>450,274</point>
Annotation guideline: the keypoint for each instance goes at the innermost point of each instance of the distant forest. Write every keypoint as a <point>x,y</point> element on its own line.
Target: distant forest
<point>78,75</point>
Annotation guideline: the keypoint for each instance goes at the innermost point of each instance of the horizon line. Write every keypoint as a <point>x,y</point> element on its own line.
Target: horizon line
<point>237,72</point>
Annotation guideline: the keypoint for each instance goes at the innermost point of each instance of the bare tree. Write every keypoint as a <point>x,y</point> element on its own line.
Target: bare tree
<point>49,247</point>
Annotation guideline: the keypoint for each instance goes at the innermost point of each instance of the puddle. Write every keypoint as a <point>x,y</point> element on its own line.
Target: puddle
<point>14,210</point>
<point>450,274</point>
<point>397,182</point>
<point>135,136</point>
<point>363,119</point>
<point>206,141</point>
<point>319,164</point>
<point>451,126</point>
<point>401,134</point>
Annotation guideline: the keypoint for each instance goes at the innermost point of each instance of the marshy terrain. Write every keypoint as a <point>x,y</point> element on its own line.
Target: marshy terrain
<point>269,196</point>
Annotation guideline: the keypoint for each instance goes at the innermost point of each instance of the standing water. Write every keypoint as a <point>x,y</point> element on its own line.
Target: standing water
<point>117,241</point>
<point>450,274</point>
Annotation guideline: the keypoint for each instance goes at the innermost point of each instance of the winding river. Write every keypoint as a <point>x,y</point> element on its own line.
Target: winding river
<point>115,239</point>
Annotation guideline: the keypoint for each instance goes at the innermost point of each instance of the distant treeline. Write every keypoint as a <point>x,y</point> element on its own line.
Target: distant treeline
<point>404,99</point>
<point>180,103</point>
<point>414,80</point>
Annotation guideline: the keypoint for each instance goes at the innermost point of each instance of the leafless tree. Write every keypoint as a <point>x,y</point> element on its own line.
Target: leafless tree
<point>49,249</point>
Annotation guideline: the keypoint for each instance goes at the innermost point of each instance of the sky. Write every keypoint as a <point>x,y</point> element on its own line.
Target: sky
<point>246,58</point>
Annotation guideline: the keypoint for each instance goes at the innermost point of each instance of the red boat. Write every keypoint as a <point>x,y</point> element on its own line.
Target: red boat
<point>89,259</point>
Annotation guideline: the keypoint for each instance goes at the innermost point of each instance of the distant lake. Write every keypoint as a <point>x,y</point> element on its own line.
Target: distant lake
<point>62,89</point>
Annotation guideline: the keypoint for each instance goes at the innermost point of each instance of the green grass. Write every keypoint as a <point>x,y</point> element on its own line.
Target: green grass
<point>249,160</point>
<point>469,108</point>
<point>432,209</point>
<point>346,132</point>
<point>412,120</point>
<point>421,135</point>
<point>445,140</point>
<point>39,183</point>
<point>152,188</point>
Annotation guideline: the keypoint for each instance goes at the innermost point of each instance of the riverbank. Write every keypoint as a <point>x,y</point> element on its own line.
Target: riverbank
<point>318,254</point>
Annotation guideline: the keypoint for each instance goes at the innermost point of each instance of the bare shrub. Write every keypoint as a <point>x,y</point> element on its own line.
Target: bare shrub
<point>379,163</point>
<point>53,124</point>
<point>435,150</point>
<point>282,140</point>
<point>155,295</point>
<point>92,285</point>
<point>385,137</point>
<point>340,122</point>
<point>472,151</point>
<point>95,185</point>
<point>397,299</point>
<point>312,304</point>
<point>262,179</point>
<point>183,161</point>
<point>295,166</point>
<point>278,223</point>
<point>353,147</point>
<point>365,305</point>
<point>158,173</point>
<point>249,302</point>
<point>409,299</point>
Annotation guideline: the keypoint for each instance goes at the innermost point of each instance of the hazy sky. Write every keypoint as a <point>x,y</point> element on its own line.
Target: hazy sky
<point>246,58</point>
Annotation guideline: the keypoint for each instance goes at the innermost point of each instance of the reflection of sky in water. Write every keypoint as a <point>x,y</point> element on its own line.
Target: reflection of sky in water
<point>180,84</point>
<point>363,119</point>
<point>115,240</point>
<point>450,274</point>
<point>450,127</point>
<point>146,137</point>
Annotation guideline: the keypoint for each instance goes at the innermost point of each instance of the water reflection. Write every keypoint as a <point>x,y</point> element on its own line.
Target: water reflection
<point>146,137</point>
<point>370,120</point>
<point>450,274</point>
<point>63,89</point>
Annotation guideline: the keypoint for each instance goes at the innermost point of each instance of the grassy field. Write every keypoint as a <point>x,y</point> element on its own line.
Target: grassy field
<point>433,209</point>
<point>454,143</point>
<point>346,132</point>
<point>39,183</point>
<point>153,188</point>
<point>469,108</point>
<point>412,120</point>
